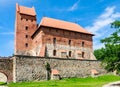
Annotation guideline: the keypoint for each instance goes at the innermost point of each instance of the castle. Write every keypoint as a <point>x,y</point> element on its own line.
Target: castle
<point>65,46</point>
<point>52,37</point>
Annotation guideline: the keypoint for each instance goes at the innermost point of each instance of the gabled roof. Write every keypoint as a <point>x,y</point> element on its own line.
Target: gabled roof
<point>64,25</point>
<point>25,10</point>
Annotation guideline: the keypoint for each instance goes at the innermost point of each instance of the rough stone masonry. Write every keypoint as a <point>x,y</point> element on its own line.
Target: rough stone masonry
<point>29,68</point>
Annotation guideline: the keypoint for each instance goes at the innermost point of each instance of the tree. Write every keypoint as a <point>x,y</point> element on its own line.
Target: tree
<point>48,70</point>
<point>99,53</point>
<point>110,54</point>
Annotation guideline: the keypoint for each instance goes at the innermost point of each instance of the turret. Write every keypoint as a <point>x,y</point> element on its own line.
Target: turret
<point>25,26</point>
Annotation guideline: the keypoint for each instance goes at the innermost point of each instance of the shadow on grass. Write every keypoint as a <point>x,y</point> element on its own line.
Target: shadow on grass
<point>3,83</point>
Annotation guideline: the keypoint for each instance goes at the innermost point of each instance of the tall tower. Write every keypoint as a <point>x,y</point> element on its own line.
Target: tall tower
<point>25,26</point>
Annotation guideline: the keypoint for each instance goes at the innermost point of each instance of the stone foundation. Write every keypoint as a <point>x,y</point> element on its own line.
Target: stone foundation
<point>6,69</point>
<point>28,68</point>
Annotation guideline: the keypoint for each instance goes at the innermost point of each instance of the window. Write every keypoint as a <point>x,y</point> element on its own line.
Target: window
<point>26,27</point>
<point>69,53</point>
<point>63,54</point>
<point>26,44</point>
<point>26,36</point>
<point>69,42</point>
<point>26,19</point>
<point>54,52</point>
<point>83,44</point>
<point>83,53</point>
<point>54,40</point>
<point>21,18</point>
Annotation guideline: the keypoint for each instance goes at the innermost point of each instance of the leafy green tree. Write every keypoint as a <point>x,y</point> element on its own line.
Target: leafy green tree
<point>99,54</point>
<point>110,54</point>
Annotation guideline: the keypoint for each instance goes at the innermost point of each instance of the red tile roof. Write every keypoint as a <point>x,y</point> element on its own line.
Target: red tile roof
<point>55,23</point>
<point>25,10</point>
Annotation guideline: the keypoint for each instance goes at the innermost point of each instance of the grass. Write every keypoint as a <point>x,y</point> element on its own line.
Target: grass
<point>71,82</point>
<point>2,83</point>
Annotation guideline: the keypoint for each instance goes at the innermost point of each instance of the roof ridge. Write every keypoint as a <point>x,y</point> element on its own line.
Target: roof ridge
<point>61,20</point>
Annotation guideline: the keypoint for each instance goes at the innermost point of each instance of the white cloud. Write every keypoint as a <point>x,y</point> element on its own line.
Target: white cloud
<point>100,25</point>
<point>104,19</point>
<point>98,46</point>
<point>7,33</point>
<point>74,6</point>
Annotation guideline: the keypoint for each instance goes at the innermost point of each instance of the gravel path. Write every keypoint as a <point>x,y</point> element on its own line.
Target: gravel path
<point>113,84</point>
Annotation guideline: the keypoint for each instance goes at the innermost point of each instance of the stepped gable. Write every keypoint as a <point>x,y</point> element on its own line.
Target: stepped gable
<point>26,10</point>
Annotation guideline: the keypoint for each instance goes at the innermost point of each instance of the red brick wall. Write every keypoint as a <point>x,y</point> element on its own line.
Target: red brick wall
<point>20,30</point>
<point>63,37</point>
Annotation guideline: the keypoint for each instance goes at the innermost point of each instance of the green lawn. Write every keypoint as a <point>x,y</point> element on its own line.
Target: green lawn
<point>71,82</point>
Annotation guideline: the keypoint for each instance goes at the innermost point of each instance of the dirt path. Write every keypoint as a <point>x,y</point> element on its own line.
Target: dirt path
<point>113,84</point>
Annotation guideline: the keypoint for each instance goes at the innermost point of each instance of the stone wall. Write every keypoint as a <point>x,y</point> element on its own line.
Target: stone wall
<point>6,67</point>
<point>29,68</point>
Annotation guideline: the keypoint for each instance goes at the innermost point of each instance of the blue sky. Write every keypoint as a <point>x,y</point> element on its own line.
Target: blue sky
<point>93,15</point>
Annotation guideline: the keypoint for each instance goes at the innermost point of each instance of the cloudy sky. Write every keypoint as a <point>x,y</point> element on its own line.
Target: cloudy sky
<point>93,15</point>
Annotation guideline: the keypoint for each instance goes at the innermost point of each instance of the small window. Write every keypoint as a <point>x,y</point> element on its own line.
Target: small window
<point>69,53</point>
<point>83,44</point>
<point>54,52</point>
<point>26,27</point>
<point>26,36</point>
<point>26,44</point>
<point>83,53</point>
<point>21,18</point>
<point>26,19</point>
<point>69,42</point>
<point>54,40</point>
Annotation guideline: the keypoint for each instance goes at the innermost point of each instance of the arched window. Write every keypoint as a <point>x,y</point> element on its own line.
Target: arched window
<point>69,42</point>
<point>26,44</point>
<point>26,36</point>
<point>26,27</point>
<point>70,53</point>
<point>54,40</point>
<point>54,52</point>
<point>83,44</point>
<point>83,54</point>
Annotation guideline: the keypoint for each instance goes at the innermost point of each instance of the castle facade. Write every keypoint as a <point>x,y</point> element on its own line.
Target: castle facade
<point>51,38</point>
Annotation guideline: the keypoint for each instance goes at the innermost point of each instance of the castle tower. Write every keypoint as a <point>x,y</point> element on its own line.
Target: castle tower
<point>25,26</point>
